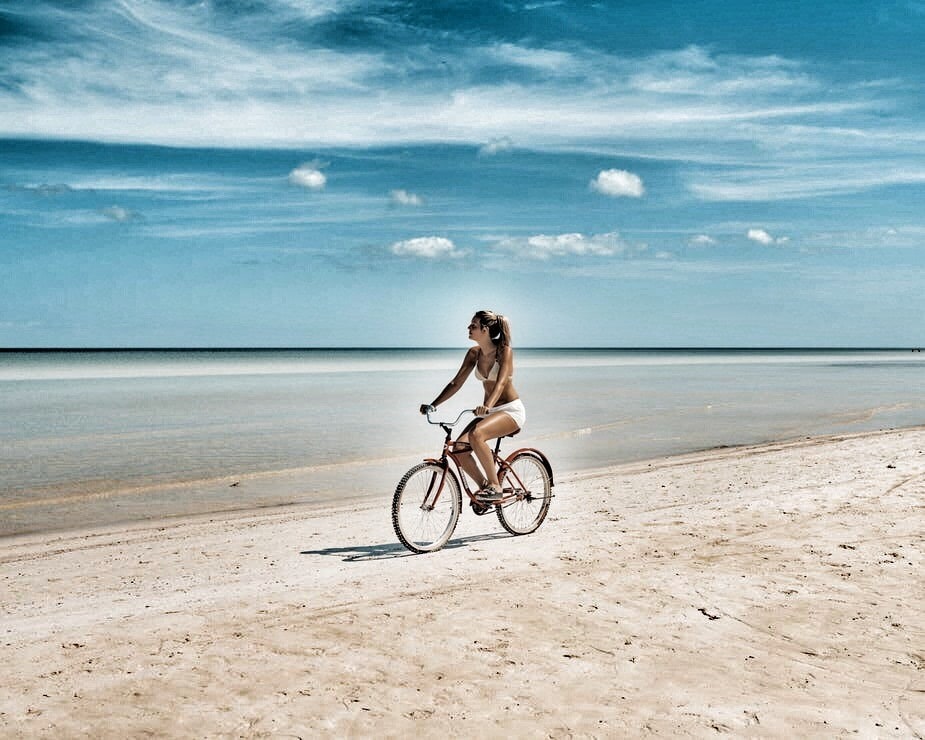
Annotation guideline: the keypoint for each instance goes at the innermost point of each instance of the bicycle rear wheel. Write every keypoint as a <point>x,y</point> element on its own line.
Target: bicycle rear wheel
<point>527,476</point>
<point>426,506</point>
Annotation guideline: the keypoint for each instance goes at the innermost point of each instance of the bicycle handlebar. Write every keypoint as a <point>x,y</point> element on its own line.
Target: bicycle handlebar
<point>447,423</point>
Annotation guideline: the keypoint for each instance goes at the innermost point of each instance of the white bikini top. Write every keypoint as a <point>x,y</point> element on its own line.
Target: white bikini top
<point>492,374</point>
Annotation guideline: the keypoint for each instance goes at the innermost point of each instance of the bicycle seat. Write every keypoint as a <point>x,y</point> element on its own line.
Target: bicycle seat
<point>513,434</point>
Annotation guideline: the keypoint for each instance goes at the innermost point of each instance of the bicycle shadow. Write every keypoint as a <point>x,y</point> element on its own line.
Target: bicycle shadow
<point>387,551</point>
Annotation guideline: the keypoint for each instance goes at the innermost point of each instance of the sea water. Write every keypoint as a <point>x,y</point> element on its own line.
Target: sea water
<point>96,438</point>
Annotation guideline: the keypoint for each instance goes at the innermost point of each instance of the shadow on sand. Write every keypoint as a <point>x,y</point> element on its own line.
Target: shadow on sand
<point>359,553</point>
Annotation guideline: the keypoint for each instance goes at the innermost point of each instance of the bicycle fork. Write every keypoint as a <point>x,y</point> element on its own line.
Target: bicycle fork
<point>434,490</point>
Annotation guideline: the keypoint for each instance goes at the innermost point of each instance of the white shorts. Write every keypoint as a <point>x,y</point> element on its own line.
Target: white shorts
<point>515,409</point>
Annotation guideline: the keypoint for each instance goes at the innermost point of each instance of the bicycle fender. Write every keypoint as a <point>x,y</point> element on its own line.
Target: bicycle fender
<point>539,456</point>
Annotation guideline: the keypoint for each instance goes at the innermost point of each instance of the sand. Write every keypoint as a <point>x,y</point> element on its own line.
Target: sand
<point>770,591</point>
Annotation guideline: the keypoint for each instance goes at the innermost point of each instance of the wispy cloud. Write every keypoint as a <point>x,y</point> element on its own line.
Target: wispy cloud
<point>880,237</point>
<point>701,240</point>
<point>496,146</point>
<point>287,73</point>
<point>797,179</point>
<point>166,184</point>
<point>546,60</point>
<point>196,73</point>
<point>404,198</point>
<point>44,189</point>
<point>694,71</point>
<point>545,247</point>
<point>120,214</point>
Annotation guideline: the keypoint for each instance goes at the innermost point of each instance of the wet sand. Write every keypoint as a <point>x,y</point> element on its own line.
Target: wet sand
<point>775,590</point>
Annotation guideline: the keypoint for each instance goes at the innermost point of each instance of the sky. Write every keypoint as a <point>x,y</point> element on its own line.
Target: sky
<point>300,173</point>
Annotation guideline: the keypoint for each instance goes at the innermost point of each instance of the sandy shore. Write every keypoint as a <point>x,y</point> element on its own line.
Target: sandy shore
<point>762,591</point>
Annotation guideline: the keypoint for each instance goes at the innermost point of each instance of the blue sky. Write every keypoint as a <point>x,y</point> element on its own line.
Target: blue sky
<point>333,173</point>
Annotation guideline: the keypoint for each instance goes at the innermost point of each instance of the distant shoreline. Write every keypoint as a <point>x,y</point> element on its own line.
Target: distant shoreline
<point>42,350</point>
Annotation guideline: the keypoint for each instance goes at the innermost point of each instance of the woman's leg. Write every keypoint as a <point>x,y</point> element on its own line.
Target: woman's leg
<point>491,427</point>
<point>470,466</point>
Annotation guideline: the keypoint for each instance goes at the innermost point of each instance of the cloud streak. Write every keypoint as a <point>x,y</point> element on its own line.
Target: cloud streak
<point>545,247</point>
<point>125,71</point>
<point>496,146</point>
<point>404,198</point>
<point>803,180</point>
<point>119,214</point>
<point>701,240</point>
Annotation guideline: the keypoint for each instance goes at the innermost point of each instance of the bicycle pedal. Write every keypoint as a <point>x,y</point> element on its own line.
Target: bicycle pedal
<point>480,509</point>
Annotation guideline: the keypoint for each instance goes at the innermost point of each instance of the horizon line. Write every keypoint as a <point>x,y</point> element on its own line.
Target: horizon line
<point>603,348</point>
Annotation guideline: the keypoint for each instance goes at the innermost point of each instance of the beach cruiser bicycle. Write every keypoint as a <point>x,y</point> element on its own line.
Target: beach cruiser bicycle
<point>428,499</point>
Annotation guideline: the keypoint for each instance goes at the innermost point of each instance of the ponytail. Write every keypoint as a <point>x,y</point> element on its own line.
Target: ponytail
<point>499,328</point>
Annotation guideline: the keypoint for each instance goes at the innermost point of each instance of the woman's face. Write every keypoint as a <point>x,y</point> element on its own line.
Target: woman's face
<point>476,330</point>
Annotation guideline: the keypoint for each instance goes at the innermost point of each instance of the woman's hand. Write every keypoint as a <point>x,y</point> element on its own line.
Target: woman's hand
<point>482,410</point>
<point>427,408</point>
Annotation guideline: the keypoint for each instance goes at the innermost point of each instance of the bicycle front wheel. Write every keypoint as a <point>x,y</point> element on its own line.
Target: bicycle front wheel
<point>527,476</point>
<point>426,506</point>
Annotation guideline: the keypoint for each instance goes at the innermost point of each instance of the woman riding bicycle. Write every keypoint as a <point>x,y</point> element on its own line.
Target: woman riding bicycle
<point>501,413</point>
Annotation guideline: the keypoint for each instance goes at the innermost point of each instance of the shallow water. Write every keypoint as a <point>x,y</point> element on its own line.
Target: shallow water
<point>99,437</point>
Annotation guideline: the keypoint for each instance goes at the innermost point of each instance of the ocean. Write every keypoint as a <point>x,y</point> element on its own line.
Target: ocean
<point>97,438</point>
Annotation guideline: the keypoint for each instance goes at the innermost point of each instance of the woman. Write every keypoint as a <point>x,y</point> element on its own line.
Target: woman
<point>502,412</point>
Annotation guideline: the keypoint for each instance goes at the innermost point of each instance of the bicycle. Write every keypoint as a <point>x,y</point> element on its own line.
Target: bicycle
<point>428,498</point>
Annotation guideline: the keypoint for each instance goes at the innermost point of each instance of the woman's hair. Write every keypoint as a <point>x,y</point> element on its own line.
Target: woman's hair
<point>498,327</point>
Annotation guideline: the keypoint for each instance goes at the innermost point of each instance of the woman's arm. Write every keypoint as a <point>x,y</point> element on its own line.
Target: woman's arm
<point>457,382</point>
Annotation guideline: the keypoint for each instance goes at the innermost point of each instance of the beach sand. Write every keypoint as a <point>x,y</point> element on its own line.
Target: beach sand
<point>775,591</point>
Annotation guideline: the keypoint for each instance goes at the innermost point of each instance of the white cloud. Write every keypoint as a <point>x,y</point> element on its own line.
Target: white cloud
<point>308,176</point>
<point>760,235</point>
<point>426,247</point>
<point>763,237</point>
<point>701,240</point>
<point>120,214</point>
<point>618,183</point>
<point>543,247</point>
<point>496,146</point>
<point>404,198</point>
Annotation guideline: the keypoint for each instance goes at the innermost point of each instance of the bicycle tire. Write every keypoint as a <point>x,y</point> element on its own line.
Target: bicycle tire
<point>421,525</point>
<point>526,474</point>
